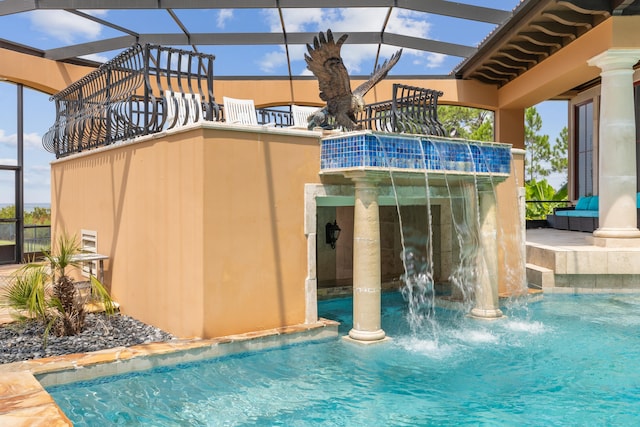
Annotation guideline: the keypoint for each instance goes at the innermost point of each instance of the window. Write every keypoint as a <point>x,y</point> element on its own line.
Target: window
<point>584,149</point>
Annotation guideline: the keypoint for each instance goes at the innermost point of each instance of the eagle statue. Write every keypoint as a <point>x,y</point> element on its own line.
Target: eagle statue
<point>325,63</point>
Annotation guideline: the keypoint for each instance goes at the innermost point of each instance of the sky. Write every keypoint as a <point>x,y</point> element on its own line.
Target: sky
<point>51,29</point>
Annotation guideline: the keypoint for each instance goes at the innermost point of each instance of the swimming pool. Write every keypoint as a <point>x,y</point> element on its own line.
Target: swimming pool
<point>568,360</point>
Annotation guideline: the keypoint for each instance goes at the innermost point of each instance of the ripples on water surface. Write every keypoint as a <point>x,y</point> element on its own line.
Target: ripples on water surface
<point>569,360</point>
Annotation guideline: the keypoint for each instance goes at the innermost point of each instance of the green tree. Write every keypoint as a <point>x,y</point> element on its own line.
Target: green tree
<point>560,153</point>
<point>541,158</point>
<point>8,212</point>
<point>537,146</point>
<point>468,123</point>
<point>39,216</point>
<point>484,132</point>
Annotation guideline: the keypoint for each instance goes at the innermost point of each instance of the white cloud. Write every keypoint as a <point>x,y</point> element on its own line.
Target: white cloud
<point>355,19</point>
<point>7,140</point>
<point>224,15</point>
<point>296,20</point>
<point>182,60</point>
<point>95,57</point>
<point>409,23</point>
<point>272,60</point>
<point>8,162</point>
<point>31,140</point>
<point>434,60</point>
<point>413,24</point>
<point>345,20</point>
<point>64,26</point>
<point>315,20</point>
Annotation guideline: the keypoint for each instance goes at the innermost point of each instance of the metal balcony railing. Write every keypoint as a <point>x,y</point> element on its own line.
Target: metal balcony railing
<point>410,110</point>
<point>278,117</point>
<point>149,88</point>
<point>142,91</point>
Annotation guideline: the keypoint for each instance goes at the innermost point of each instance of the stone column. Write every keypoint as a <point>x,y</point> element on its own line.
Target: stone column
<point>617,146</point>
<point>366,262</point>
<point>486,292</point>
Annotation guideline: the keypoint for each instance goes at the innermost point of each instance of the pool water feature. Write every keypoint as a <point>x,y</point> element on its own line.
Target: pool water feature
<point>567,360</point>
<point>405,152</point>
<point>468,170</point>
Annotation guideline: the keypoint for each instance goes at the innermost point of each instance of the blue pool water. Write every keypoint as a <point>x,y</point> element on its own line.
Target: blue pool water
<point>565,361</point>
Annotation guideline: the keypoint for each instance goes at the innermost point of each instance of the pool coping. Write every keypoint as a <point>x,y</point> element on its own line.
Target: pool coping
<point>25,402</point>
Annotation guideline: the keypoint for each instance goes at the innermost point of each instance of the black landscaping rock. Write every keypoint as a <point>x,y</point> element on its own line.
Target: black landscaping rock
<point>25,341</point>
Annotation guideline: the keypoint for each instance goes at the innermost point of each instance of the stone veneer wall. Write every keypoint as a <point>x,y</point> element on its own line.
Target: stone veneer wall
<point>335,267</point>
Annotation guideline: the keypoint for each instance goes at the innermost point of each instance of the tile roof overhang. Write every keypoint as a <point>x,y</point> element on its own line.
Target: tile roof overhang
<point>537,30</point>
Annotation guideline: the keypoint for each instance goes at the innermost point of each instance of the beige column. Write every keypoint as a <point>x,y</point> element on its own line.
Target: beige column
<point>617,145</point>
<point>486,292</point>
<point>366,262</point>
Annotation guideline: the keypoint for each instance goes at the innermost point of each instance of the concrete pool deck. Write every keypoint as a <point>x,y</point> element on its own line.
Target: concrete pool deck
<point>561,261</point>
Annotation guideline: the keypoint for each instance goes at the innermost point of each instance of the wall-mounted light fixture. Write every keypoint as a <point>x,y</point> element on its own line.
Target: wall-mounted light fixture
<point>332,232</point>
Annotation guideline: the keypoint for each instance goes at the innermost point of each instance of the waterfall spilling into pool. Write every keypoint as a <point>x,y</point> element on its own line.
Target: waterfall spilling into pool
<point>461,178</point>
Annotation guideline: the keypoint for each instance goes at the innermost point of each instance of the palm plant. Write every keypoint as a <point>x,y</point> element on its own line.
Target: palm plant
<point>27,293</point>
<point>44,291</point>
<point>544,198</point>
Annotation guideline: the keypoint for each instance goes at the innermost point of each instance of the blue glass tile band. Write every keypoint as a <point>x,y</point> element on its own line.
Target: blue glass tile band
<point>369,150</point>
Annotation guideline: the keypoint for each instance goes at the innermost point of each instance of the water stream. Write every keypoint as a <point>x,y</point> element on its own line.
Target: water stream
<point>418,288</point>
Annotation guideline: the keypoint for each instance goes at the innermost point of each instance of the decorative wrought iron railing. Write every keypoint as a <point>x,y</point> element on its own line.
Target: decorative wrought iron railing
<point>143,90</point>
<point>411,110</point>
<point>277,117</point>
<point>149,88</point>
<point>377,116</point>
<point>416,110</point>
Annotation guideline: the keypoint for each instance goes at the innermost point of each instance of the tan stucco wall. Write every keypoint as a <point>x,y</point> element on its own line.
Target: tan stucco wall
<point>255,253</point>
<point>203,228</point>
<point>326,257</point>
<point>145,202</point>
<point>505,128</point>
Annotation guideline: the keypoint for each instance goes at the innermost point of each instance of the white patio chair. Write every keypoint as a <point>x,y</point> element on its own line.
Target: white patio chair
<point>301,114</point>
<point>242,111</point>
<point>384,124</point>
<point>182,108</point>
